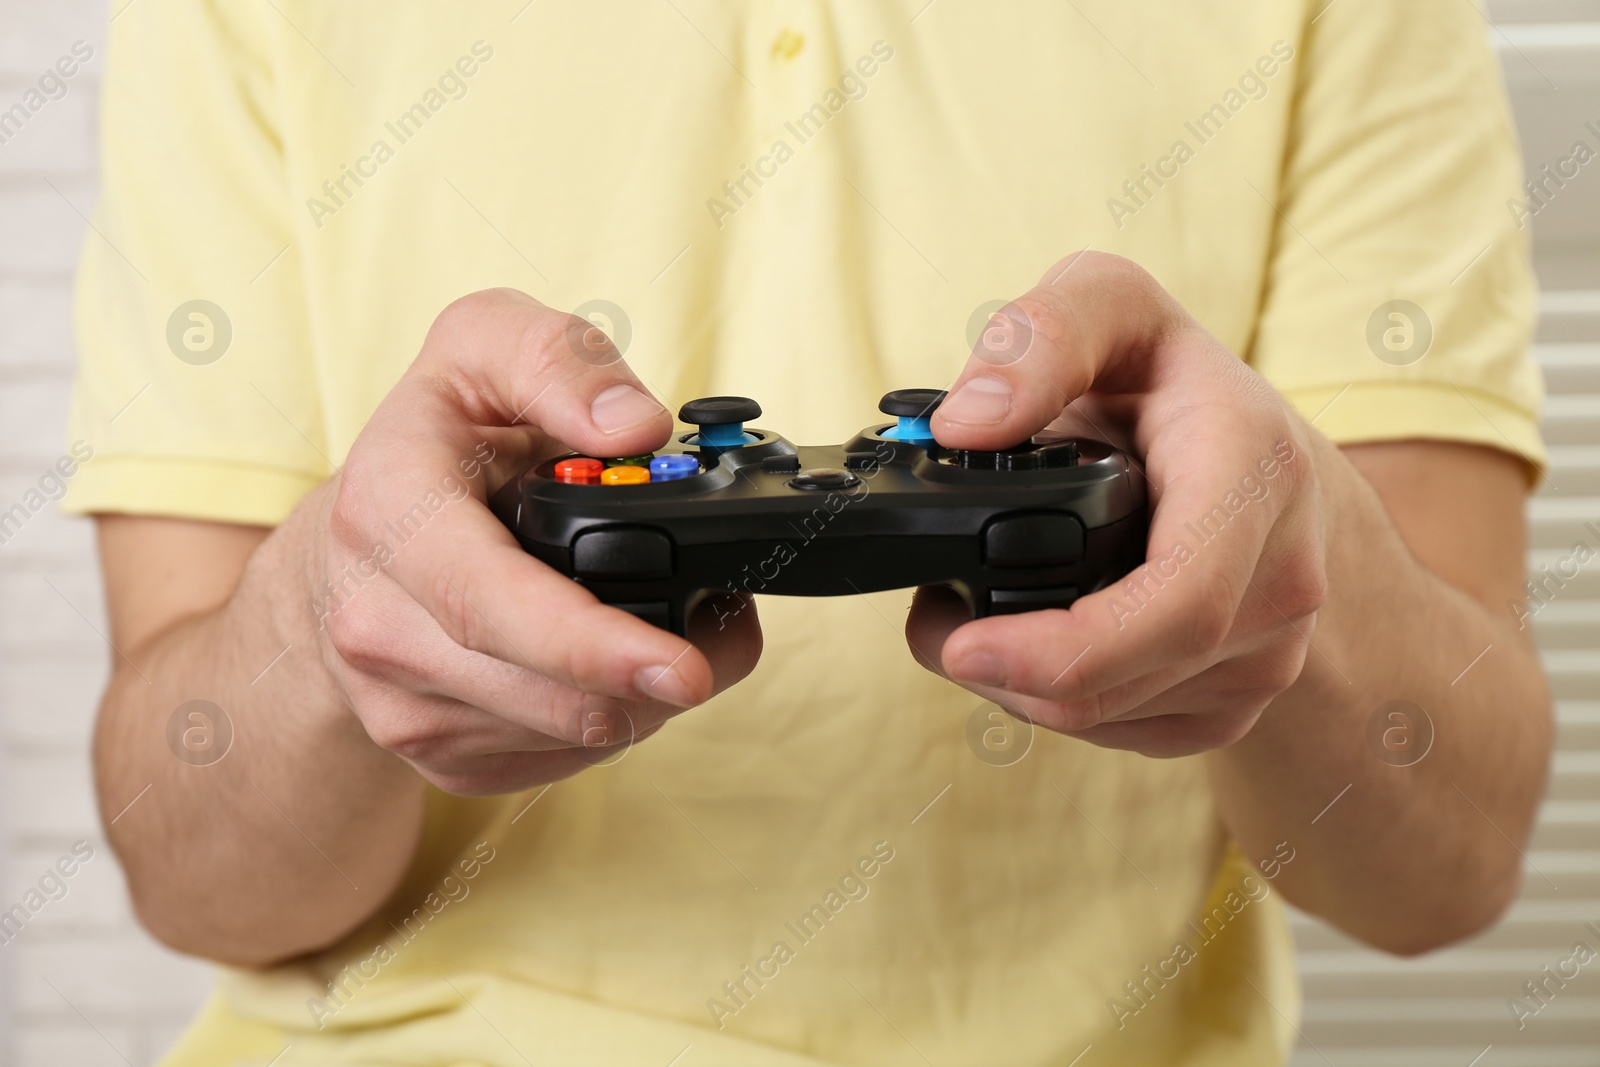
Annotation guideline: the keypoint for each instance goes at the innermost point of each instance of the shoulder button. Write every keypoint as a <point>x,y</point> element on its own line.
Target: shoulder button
<point>1041,539</point>
<point>622,552</point>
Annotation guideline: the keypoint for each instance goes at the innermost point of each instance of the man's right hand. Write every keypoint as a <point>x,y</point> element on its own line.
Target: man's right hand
<point>482,667</point>
<point>390,615</point>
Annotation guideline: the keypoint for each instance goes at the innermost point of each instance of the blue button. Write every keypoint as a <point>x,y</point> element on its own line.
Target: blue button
<point>671,468</point>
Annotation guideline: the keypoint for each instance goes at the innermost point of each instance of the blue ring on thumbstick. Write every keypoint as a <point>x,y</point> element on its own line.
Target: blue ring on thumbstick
<point>729,435</point>
<point>673,467</point>
<point>909,429</point>
<point>913,410</point>
<point>720,420</point>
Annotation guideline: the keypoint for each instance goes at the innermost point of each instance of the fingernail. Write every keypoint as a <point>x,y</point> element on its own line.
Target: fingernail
<point>663,684</point>
<point>622,407</point>
<point>980,668</point>
<point>981,400</point>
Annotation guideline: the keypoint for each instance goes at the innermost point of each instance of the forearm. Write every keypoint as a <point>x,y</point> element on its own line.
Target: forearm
<point>1406,857</point>
<point>304,827</point>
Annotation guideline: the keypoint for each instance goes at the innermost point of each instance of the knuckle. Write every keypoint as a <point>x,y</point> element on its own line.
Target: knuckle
<point>1067,685</point>
<point>347,514</point>
<point>466,312</point>
<point>1136,278</point>
<point>540,335</point>
<point>1302,591</point>
<point>1067,265</point>
<point>1269,676</point>
<point>1283,671</point>
<point>550,342</point>
<point>488,775</point>
<point>1097,268</point>
<point>574,720</point>
<point>1109,265</point>
<point>1292,455</point>
<point>1106,271</point>
<point>603,727</point>
<point>464,321</point>
<point>587,659</point>
<point>454,611</point>
<point>412,734</point>
<point>1083,713</point>
<point>1211,732</point>
<point>1049,319</point>
<point>1189,734</point>
<point>470,781</point>
<point>562,666</point>
<point>1206,624</point>
<point>360,636</point>
<point>1295,463</point>
<point>461,783</point>
<point>347,522</point>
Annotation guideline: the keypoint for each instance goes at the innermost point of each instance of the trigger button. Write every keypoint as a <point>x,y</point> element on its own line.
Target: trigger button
<point>1033,540</point>
<point>622,552</point>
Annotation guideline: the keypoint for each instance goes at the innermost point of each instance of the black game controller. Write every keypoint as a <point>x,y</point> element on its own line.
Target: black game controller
<point>729,510</point>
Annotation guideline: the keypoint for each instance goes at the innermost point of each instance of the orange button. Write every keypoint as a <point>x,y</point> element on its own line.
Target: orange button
<point>624,476</point>
<point>580,470</point>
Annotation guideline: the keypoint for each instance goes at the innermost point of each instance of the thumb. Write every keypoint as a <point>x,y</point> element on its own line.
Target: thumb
<point>513,360</point>
<point>1091,321</point>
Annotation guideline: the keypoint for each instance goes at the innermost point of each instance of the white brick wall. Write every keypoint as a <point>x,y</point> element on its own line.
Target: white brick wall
<point>82,984</point>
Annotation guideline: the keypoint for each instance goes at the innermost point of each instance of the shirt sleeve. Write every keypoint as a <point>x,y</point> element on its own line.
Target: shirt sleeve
<point>196,386</point>
<point>1399,301</point>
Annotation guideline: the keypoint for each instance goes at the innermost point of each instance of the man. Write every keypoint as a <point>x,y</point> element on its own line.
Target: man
<point>1264,245</point>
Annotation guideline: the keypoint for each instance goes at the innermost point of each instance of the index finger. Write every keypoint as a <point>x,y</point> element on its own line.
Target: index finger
<point>1202,420</point>
<point>492,359</point>
<point>1221,500</point>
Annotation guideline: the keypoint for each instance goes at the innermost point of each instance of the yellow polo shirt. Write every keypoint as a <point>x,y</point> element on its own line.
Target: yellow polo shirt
<point>806,202</point>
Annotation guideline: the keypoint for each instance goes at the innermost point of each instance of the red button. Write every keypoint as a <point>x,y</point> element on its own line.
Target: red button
<point>579,471</point>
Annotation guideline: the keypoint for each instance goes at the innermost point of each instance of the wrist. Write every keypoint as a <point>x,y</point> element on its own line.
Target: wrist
<point>1355,538</point>
<point>290,571</point>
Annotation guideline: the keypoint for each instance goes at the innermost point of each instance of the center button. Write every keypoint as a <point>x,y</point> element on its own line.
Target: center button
<point>824,478</point>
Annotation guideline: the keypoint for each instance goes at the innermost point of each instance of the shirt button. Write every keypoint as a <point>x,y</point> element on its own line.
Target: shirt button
<point>787,45</point>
